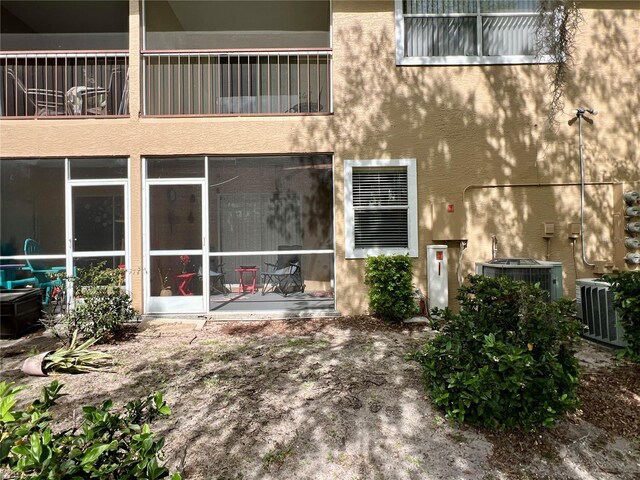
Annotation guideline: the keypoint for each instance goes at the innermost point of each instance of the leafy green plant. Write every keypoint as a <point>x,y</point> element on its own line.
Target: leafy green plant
<point>102,306</point>
<point>97,275</point>
<point>107,444</point>
<point>101,312</point>
<point>390,288</point>
<point>507,359</point>
<point>76,358</point>
<point>626,300</point>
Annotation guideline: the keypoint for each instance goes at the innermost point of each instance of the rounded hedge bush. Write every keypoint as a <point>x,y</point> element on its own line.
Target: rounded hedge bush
<point>390,288</point>
<point>507,359</point>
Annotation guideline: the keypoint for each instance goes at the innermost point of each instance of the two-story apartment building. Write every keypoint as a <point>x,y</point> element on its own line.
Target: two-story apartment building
<point>188,141</point>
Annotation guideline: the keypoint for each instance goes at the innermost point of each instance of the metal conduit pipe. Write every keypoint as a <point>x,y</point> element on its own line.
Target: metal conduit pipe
<point>580,115</point>
<point>474,186</point>
<point>554,184</point>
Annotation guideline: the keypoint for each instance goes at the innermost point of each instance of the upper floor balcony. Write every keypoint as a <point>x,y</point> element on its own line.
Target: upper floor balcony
<point>64,59</point>
<point>64,84</point>
<point>61,59</point>
<point>203,58</point>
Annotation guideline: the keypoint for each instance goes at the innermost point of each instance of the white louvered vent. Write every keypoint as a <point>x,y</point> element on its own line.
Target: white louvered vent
<point>380,207</point>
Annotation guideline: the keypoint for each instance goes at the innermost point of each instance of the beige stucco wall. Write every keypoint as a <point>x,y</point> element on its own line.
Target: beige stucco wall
<point>467,127</point>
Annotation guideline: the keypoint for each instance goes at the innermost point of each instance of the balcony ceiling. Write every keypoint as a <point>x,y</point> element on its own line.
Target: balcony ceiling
<point>246,15</point>
<point>64,16</point>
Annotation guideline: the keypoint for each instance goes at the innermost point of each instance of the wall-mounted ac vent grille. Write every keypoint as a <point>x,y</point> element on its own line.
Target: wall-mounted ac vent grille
<point>594,303</point>
<point>547,274</point>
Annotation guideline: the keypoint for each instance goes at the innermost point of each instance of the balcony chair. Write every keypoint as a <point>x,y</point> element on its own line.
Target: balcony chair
<point>45,102</point>
<point>307,106</point>
<point>217,281</point>
<point>41,273</point>
<point>285,276</point>
<point>94,100</point>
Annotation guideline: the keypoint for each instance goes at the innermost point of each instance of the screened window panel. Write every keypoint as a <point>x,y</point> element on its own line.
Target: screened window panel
<point>32,205</point>
<point>90,168</point>
<point>442,28</point>
<point>98,218</point>
<point>175,167</point>
<point>509,35</point>
<point>262,203</point>
<point>384,228</point>
<point>508,6</point>
<point>436,37</point>
<point>440,6</point>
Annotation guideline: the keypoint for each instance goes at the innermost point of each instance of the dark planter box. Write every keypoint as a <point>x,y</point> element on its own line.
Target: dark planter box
<point>20,311</point>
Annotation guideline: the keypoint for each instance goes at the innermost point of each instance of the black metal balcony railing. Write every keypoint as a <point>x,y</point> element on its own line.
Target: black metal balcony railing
<point>197,83</point>
<point>64,84</point>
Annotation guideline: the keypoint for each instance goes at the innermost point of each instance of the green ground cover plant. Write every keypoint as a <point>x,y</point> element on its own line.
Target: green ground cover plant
<point>507,359</point>
<point>106,445</point>
<point>626,300</point>
<point>390,288</point>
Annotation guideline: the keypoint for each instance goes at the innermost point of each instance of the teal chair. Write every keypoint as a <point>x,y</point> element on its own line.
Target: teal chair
<point>41,272</point>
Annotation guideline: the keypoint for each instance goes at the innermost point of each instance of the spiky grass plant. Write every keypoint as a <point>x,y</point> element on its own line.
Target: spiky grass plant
<point>77,358</point>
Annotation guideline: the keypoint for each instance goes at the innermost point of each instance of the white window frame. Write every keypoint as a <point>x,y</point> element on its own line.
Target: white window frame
<point>461,59</point>
<point>412,214</point>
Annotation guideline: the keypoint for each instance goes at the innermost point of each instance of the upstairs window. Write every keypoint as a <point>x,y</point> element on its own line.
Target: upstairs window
<point>459,32</point>
<point>380,208</point>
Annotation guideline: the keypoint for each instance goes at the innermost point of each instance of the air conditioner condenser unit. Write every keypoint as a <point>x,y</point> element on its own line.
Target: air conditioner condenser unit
<point>594,303</point>
<point>547,274</point>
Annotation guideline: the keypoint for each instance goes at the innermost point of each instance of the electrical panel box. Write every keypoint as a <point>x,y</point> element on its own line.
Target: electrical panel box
<point>574,230</point>
<point>549,229</point>
<point>437,276</point>
<point>448,221</point>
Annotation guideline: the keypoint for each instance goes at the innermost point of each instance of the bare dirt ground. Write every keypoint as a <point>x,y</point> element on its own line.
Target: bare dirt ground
<point>334,398</point>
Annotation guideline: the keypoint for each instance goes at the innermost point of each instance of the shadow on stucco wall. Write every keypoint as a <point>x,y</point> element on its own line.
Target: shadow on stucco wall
<point>471,128</point>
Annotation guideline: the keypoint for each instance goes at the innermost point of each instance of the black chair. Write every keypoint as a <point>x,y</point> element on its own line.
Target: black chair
<point>284,276</point>
<point>217,281</point>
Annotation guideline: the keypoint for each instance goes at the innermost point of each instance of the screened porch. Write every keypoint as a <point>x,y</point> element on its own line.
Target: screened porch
<point>230,58</point>
<point>239,233</point>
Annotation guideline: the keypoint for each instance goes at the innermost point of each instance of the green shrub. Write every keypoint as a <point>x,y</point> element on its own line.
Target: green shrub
<point>103,306</point>
<point>626,299</point>
<point>107,445</point>
<point>507,359</point>
<point>98,275</point>
<point>390,288</point>
<point>100,313</point>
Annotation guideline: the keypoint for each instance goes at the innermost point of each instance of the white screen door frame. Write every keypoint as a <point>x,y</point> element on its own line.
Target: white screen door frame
<point>175,303</point>
<point>71,254</point>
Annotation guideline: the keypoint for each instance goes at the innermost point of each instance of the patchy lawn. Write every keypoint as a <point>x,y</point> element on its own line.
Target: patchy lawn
<point>334,398</point>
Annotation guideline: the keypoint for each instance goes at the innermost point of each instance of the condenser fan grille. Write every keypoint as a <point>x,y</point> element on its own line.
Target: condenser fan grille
<point>529,275</point>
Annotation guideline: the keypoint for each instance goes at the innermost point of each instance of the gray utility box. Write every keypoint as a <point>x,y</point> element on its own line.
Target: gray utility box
<point>20,311</point>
